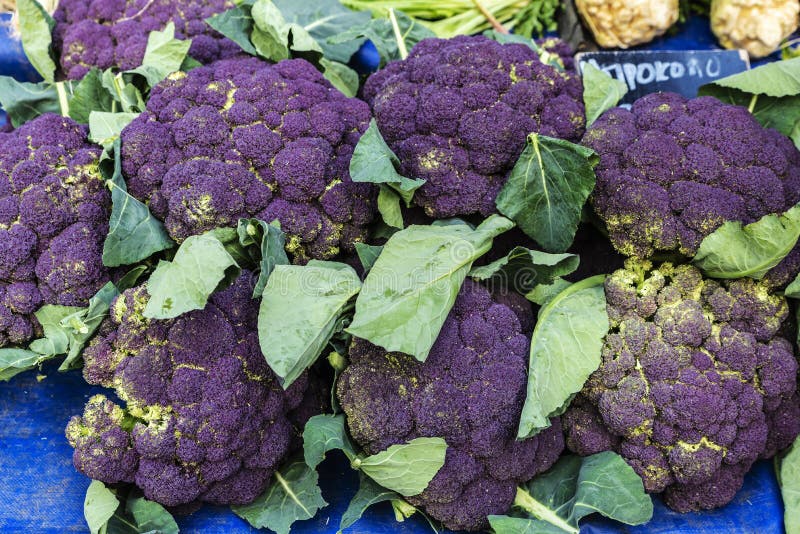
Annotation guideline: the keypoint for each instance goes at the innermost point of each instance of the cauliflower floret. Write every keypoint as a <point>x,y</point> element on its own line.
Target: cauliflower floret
<point>457,112</point>
<point>757,26</point>
<point>697,382</point>
<point>245,138</point>
<point>113,33</point>
<point>54,211</point>
<point>470,392</point>
<point>625,23</point>
<point>205,419</point>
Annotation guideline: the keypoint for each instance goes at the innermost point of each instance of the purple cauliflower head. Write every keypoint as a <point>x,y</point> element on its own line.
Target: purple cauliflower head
<point>672,170</point>
<point>696,382</point>
<point>205,419</point>
<point>470,392</point>
<point>457,112</point>
<point>54,212</point>
<point>113,33</point>
<point>244,138</point>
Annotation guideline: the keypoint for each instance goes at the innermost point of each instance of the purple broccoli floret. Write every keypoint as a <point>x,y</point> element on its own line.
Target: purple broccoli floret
<point>244,138</point>
<point>457,112</point>
<point>672,170</point>
<point>113,33</point>
<point>470,392</point>
<point>696,383</point>
<point>54,211</point>
<point>205,419</point>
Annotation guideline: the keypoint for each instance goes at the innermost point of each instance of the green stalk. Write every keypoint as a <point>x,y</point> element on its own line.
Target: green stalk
<point>63,101</point>
<point>398,35</point>
<point>752,105</point>
<point>524,501</point>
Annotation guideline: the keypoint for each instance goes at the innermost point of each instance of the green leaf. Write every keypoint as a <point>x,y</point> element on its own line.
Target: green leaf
<point>309,302</point>
<point>601,92</point>
<point>56,339</point>
<point>151,517</point>
<point>547,189</point>
<point>736,251</point>
<point>293,496</point>
<point>134,234</point>
<point>790,488</point>
<point>126,94</point>
<point>271,241</point>
<point>778,79</point>
<point>105,127</point>
<point>368,254</point>
<point>185,283</point>
<point>412,286</point>
<point>164,55</point>
<point>523,269</point>
<point>81,325</point>
<point>98,506</point>
<point>325,433</point>
<point>25,101</point>
<point>341,77</point>
<point>793,290</point>
<point>374,162</point>
<point>407,468</point>
<point>369,493</point>
<point>323,19</point>
<point>89,95</point>
<point>35,27</point>
<point>270,32</point>
<point>389,207</point>
<point>574,488</point>
<point>565,350</point>
<point>544,293</point>
<point>15,361</point>
<point>236,24</point>
<point>382,34</point>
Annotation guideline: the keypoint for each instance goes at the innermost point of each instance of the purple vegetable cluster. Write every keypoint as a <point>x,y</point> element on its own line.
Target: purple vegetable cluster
<point>54,211</point>
<point>470,392</point>
<point>205,419</point>
<point>244,138</point>
<point>114,33</point>
<point>698,381</point>
<point>672,170</point>
<point>457,112</point>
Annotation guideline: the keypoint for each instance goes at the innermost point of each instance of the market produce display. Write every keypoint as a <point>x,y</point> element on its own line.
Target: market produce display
<point>509,302</point>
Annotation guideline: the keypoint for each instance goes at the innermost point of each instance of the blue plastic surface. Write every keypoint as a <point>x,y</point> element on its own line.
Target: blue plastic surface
<point>41,492</point>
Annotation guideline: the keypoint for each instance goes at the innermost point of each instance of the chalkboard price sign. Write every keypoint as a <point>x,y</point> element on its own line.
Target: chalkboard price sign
<point>651,71</point>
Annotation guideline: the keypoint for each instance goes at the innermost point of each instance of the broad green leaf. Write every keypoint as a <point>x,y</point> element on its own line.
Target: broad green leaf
<point>271,241</point>
<point>790,488</point>
<point>236,24</point>
<point>294,495</point>
<point>736,251</point>
<point>309,302</point>
<point>151,517</point>
<point>374,162</point>
<point>565,350</point>
<point>89,95</point>
<point>302,45</point>
<point>793,289</point>
<point>547,189</point>
<point>185,283</point>
<point>389,207</point>
<point>542,294</point>
<point>325,433</point>
<point>575,487</point>
<point>412,286</point>
<point>270,32</point>
<point>382,33</point>
<point>164,55</point>
<point>601,92</point>
<point>81,325</point>
<point>323,19</point>
<point>98,506</point>
<point>105,127</point>
<point>56,339</point>
<point>25,101</point>
<point>368,255</point>
<point>341,77</point>
<point>134,234</point>
<point>15,361</point>
<point>407,468</point>
<point>127,95</point>
<point>778,79</point>
<point>35,27</point>
<point>369,493</point>
<point>523,269</point>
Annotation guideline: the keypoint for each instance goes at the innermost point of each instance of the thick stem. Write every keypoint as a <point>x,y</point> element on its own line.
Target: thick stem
<point>398,35</point>
<point>493,21</point>
<point>524,501</point>
<point>752,105</point>
<point>63,101</point>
